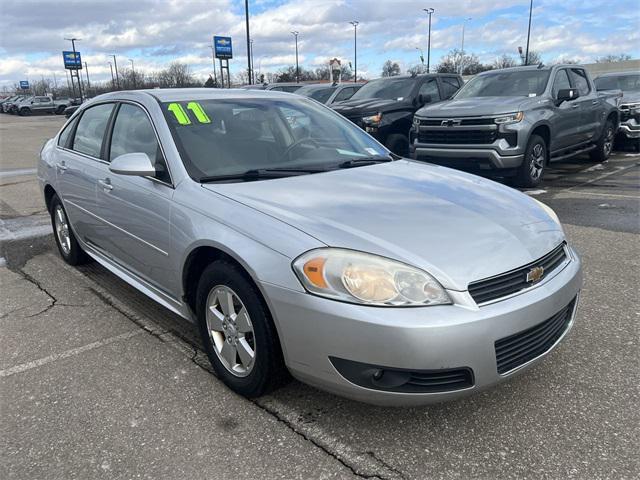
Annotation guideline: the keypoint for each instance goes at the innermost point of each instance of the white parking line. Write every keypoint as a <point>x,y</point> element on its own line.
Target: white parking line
<point>601,177</point>
<point>69,353</point>
<point>614,195</point>
<point>18,172</point>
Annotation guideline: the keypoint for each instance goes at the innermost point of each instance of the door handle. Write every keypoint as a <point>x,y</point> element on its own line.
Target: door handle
<point>61,166</point>
<point>595,102</point>
<point>106,184</point>
<point>575,105</point>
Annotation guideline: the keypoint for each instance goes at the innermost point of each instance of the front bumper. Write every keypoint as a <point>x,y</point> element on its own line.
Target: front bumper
<point>470,158</point>
<point>462,335</point>
<point>630,128</point>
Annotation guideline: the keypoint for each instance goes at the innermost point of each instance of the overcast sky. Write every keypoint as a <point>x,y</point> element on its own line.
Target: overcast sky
<point>155,32</point>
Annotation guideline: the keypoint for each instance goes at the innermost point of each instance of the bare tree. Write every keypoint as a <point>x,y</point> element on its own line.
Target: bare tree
<point>390,69</point>
<point>504,61</point>
<point>565,60</point>
<point>535,58</point>
<point>417,69</point>
<point>457,62</point>
<point>177,75</point>
<point>623,57</point>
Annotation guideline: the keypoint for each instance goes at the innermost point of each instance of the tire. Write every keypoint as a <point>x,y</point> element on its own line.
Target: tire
<point>68,246</point>
<point>225,336</point>
<point>530,173</point>
<point>398,144</point>
<point>60,110</point>
<point>605,143</point>
<point>24,112</point>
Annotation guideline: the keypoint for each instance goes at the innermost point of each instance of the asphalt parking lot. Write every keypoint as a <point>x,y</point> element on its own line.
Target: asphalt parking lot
<point>98,381</point>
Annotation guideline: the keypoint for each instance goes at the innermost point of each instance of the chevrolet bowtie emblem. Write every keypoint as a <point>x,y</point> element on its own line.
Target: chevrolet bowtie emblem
<point>450,122</point>
<point>535,274</point>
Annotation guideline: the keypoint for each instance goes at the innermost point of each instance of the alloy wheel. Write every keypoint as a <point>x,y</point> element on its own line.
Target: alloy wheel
<point>537,161</point>
<point>231,331</point>
<point>608,142</point>
<point>62,229</point>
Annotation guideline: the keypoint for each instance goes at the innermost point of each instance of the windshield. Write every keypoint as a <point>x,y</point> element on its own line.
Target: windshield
<point>320,94</point>
<point>522,83</point>
<point>386,89</point>
<point>231,136</point>
<point>618,82</point>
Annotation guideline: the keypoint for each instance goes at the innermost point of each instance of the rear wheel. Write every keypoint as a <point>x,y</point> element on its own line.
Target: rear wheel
<point>398,144</point>
<point>24,111</point>
<point>68,246</point>
<point>60,110</point>
<point>605,143</point>
<point>237,331</point>
<point>530,173</point>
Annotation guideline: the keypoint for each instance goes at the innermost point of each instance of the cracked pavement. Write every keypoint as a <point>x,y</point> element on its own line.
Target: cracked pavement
<point>98,381</point>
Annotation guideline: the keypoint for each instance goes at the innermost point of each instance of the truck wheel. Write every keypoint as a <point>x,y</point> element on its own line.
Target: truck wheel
<point>530,173</point>
<point>60,110</point>
<point>605,143</point>
<point>24,111</point>
<point>398,144</point>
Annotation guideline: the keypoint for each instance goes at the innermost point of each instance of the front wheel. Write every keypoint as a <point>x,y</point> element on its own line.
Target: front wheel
<point>237,331</point>
<point>24,112</point>
<point>530,173</point>
<point>605,143</point>
<point>398,144</point>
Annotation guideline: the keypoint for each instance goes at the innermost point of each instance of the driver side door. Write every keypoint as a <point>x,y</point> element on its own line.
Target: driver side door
<point>567,115</point>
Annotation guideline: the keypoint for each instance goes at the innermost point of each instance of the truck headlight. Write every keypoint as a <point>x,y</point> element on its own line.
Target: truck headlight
<point>510,118</point>
<point>365,278</point>
<point>372,120</point>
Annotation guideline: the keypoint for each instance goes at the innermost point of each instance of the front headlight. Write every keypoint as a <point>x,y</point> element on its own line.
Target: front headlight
<point>364,278</point>
<point>372,120</point>
<point>510,118</point>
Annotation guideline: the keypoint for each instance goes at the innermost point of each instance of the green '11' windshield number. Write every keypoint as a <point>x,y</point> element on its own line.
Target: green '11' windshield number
<point>183,117</point>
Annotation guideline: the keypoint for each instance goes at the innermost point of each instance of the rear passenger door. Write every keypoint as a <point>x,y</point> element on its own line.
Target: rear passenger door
<point>136,210</point>
<point>80,147</point>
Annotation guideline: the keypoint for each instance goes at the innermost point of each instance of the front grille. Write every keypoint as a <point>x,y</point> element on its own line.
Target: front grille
<point>518,349</point>
<point>457,137</point>
<point>437,122</point>
<point>511,282</point>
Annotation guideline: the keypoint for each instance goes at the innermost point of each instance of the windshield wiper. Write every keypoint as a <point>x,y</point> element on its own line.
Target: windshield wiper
<point>362,161</point>
<point>261,173</point>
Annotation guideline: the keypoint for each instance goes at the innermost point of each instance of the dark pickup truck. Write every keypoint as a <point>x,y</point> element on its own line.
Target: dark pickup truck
<point>629,84</point>
<point>385,107</point>
<point>514,121</point>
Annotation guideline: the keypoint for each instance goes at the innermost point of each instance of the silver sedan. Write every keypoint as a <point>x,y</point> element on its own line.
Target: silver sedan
<point>299,245</point>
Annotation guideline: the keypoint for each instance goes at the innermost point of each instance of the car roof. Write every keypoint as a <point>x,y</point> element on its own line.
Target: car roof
<point>617,74</point>
<point>184,94</point>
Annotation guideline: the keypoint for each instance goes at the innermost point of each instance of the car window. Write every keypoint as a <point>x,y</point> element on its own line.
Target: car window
<point>345,94</point>
<point>561,81</point>
<point>91,128</point>
<point>290,88</point>
<point>133,133</point>
<point>63,138</point>
<point>430,87</point>
<point>450,85</point>
<point>580,81</point>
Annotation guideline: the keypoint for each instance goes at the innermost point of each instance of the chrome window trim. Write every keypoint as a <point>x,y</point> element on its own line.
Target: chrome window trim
<point>100,160</point>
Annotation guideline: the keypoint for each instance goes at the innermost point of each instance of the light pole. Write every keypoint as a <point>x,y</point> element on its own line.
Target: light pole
<point>526,56</point>
<point>73,46</point>
<point>133,73</point>
<point>464,23</point>
<point>429,12</point>
<point>295,34</point>
<point>86,70</point>
<point>115,64</point>
<point>355,48</point>
<point>213,62</point>
<point>253,69</point>
<point>249,61</point>
<point>113,81</point>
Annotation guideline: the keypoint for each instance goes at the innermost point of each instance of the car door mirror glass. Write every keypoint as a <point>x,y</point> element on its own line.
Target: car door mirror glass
<point>567,94</point>
<point>135,164</point>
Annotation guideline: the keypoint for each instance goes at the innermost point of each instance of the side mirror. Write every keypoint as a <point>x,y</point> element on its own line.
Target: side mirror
<point>136,164</point>
<point>567,94</point>
<point>424,99</point>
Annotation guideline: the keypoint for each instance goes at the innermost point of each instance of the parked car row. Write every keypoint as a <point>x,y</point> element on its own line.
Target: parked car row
<point>34,104</point>
<point>508,123</point>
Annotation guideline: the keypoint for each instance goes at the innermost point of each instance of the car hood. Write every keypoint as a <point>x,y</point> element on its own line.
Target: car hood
<point>473,107</point>
<point>366,105</point>
<point>630,96</point>
<point>458,227</point>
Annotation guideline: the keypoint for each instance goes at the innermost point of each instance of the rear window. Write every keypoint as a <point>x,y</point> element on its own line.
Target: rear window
<point>618,82</point>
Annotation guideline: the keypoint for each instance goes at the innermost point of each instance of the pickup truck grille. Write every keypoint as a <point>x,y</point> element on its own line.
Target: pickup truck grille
<point>625,112</point>
<point>511,282</point>
<point>457,137</point>
<point>437,122</point>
